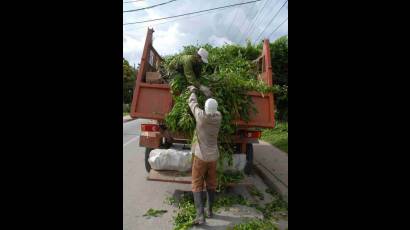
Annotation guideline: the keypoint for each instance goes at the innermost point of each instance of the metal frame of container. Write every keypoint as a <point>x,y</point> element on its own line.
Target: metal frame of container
<point>154,101</point>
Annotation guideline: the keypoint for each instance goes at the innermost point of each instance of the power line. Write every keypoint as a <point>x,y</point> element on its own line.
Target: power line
<point>180,15</point>
<point>264,14</point>
<point>239,33</point>
<point>258,16</point>
<point>193,16</point>
<point>236,13</point>
<point>134,1</point>
<point>271,20</point>
<point>278,27</point>
<point>254,19</point>
<point>141,27</point>
<point>148,7</point>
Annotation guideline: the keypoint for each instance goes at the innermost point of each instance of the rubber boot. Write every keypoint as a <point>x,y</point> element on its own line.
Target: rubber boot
<point>198,200</point>
<point>204,197</point>
<point>210,202</point>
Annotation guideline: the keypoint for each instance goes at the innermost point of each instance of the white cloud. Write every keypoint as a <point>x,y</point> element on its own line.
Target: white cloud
<point>132,48</point>
<point>214,27</point>
<point>219,41</point>
<point>169,41</point>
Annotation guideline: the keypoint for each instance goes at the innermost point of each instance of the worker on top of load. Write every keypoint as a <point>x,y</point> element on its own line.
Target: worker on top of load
<point>205,149</point>
<point>190,66</point>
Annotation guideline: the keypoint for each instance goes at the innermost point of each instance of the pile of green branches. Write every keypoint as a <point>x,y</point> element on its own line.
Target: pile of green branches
<point>230,74</point>
<point>186,212</point>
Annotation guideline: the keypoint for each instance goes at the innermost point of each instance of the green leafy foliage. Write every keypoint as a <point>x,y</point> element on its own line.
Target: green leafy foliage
<point>279,60</point>
<point>186,212</point>
<point>277,204</point>
<point>154,213</point>
<point>128,81</point>
<point>180,118</point>
<point>256,224</point>
<point>230,74</point>
<point>277,136</point>
<point>226,177</point>
<point>255,192</point>
<point>128,71</point>
<point>186,209</point>
<point>228,200</point>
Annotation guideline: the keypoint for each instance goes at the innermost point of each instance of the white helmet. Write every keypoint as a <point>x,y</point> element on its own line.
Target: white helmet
<point>211,106</point>
<point>204,54</point>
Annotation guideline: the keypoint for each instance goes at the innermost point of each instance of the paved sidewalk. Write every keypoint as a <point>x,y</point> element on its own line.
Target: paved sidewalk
<point>272,165</point>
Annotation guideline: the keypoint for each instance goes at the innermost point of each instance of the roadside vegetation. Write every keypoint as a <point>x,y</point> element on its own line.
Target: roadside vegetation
<point>277,136</point>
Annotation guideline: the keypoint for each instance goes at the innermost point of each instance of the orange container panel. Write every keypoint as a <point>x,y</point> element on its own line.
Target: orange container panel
<point>154,101</point>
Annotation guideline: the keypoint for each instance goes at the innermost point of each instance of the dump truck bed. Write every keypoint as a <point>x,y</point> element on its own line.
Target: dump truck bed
<point>154,101</point>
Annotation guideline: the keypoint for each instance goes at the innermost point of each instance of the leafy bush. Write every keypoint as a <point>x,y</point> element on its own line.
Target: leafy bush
<point>128,81</point>
<point>277,136</point>
<point>279,60</point>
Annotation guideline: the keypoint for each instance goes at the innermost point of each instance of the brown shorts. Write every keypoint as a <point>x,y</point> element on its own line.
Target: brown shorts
<point>203,171</point>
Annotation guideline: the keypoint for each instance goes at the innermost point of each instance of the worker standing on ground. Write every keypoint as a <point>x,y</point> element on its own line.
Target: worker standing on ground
<point>205,149</point>
<point>191,66</point>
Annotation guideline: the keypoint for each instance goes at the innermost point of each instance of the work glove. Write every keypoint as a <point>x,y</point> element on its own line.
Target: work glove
<point>192,88</point>
<point>205,90</point>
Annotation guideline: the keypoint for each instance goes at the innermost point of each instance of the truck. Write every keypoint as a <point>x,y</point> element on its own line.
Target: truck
<point>154,100</point>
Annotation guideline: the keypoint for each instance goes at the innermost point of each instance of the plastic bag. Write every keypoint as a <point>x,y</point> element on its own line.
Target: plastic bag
<point>170,159</point>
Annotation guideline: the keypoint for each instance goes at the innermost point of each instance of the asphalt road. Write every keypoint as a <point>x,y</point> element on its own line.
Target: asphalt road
<point>139,194</point>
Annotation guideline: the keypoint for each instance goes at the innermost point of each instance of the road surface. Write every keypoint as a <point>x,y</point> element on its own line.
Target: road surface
<point>139,195</point>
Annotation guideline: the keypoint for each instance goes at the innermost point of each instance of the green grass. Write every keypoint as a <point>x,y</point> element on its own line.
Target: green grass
<point>277,136</point>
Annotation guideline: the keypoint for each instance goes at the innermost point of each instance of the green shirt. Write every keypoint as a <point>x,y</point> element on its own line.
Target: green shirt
<point>189,65</point>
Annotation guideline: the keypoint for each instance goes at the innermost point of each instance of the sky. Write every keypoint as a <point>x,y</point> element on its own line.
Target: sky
<point>225,26</point>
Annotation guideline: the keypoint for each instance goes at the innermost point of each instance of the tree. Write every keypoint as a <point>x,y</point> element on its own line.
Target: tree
<point>127,71</point>
<point>128,80</point>
<point>279,59</point>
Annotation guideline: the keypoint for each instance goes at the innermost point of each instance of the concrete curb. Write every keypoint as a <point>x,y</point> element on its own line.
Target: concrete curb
<point>271,182</point>
<point>271,165</point>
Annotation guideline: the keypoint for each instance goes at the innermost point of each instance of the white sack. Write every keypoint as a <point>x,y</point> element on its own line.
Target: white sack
<point>170,159</point>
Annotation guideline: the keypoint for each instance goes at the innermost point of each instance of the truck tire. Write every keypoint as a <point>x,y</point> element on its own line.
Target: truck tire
<point>147,165</point>
<point>249,159</point>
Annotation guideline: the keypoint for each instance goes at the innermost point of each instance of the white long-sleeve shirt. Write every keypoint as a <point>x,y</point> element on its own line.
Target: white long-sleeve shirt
<point>205,144</point>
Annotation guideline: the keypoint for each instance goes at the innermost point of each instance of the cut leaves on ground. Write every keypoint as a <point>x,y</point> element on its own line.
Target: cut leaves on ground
<point>154,213</point>
<point>255,192</point>
<point>255,224</point>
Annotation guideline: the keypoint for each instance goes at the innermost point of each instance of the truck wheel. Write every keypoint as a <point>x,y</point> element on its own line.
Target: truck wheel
<point>249,159</point>
<point>147,165</point>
